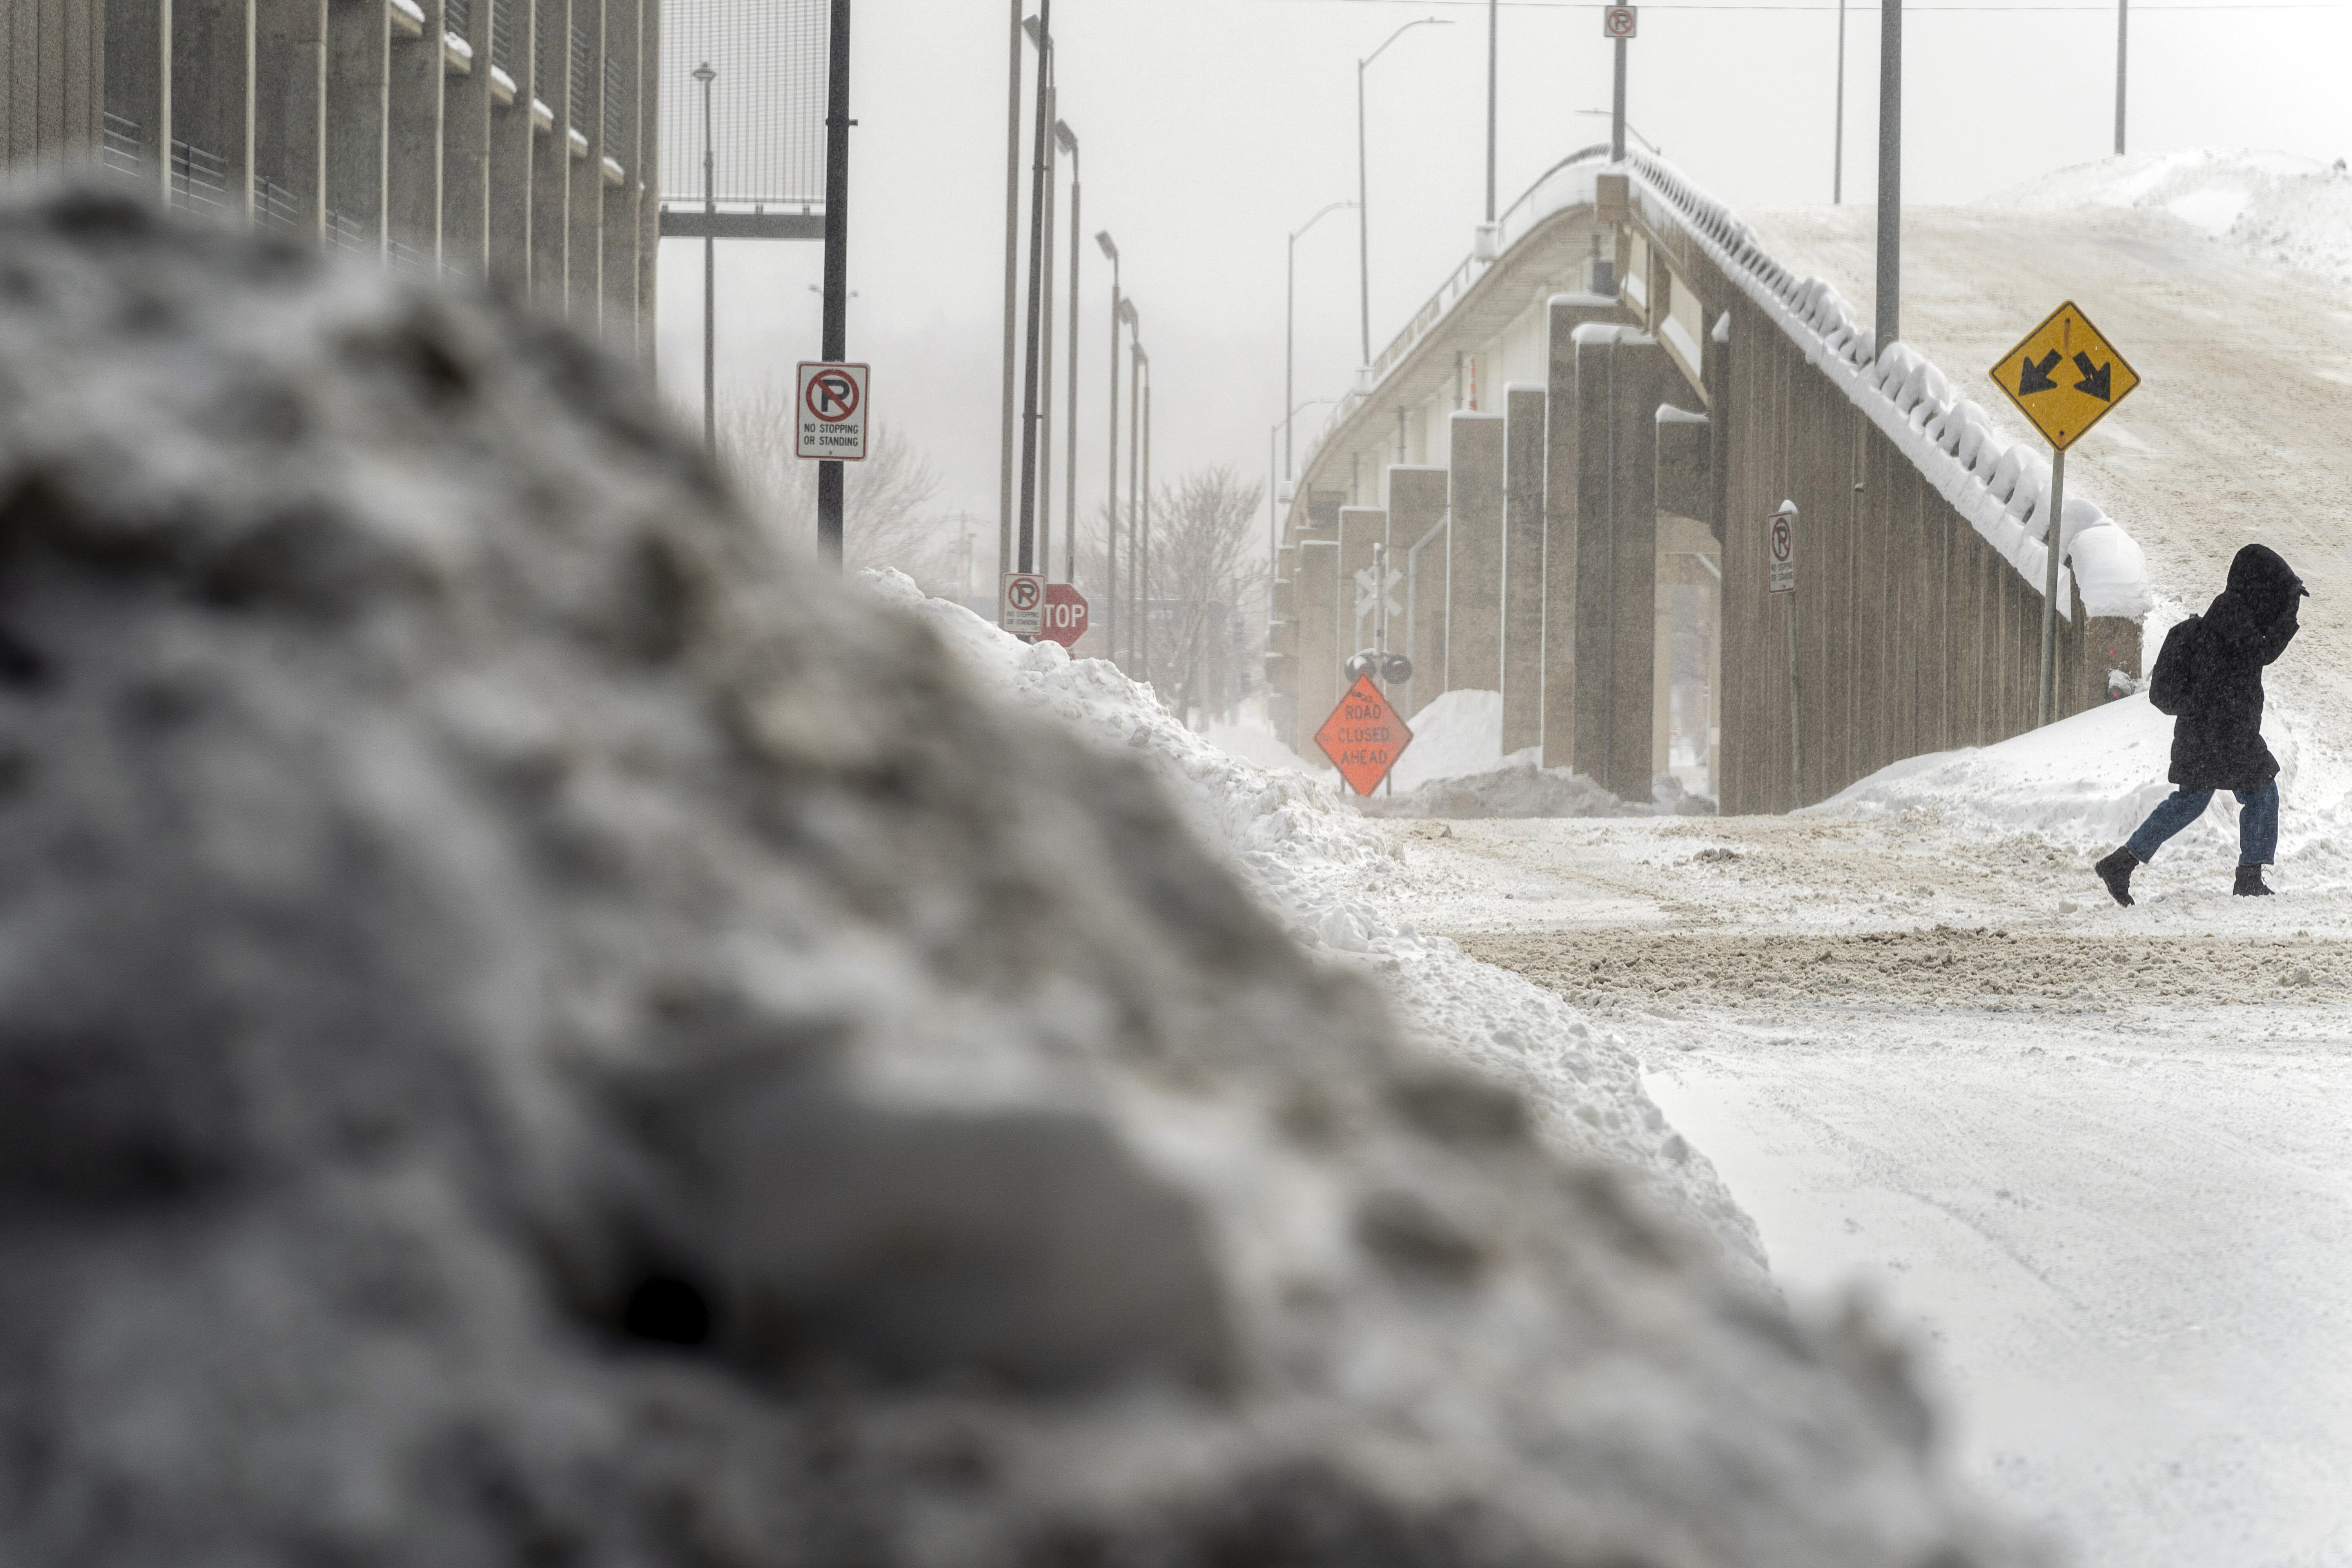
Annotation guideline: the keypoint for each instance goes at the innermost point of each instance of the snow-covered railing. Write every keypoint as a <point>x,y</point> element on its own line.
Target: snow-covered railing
<point>1565,183</point>
<point>2001,488</point>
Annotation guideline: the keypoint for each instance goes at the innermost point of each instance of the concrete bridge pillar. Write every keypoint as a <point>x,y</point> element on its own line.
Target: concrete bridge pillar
<point>1317,591</point>
<point>584,269</point>
<point>1622,375</point>
<point>550,160</point>
<point>1689,592</point>
<point>138,86</point>
<point>1523,567</point>
<point>1566,313</point>
<point>1473,564</point>
<point>1417,549</point>
<point>514,144</point>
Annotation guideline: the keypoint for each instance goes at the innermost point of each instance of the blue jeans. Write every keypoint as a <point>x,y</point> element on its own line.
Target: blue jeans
<point>2257,823</point>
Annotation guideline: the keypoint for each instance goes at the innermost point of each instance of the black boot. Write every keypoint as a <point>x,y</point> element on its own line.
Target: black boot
<point>2251,884</point>
<point>2115,872</point>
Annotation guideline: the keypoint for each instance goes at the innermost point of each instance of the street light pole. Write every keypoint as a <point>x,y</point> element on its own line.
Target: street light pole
<point>2123,33</point>
<point>1027,518</point>
<point>1068,141</point>
<point>1890,173</point>
<point>706,76</point>
<point>1837,156</point>
<point>1012,309</point>
<point>1143,550</point>
<point>1491,34</point>
<point>1289,315</point>
<point>1110,492</point>
<point>1134,450</point>
<point>1363,218</point>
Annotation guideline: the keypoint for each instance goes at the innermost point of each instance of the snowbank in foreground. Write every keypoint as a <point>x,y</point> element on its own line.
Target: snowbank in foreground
<point>1327,871</point>
<point>2086,781</point>
<point>2274,206</point>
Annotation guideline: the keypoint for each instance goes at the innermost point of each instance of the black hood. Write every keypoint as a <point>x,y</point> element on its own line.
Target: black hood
<point>2263,588</point>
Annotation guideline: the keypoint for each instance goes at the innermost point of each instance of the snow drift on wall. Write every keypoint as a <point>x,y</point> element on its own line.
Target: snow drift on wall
<point>2275,206</point>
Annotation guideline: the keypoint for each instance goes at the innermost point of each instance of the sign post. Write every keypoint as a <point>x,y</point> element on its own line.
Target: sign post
<point>1021,604</point>
<point>1364,736</point>
<point>829,411</point>
<point>2064,377</point>
<point>1781,563</point>
<point>1618,23</point>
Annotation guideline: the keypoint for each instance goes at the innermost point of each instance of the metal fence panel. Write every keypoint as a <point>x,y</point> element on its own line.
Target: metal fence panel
<point>767,105</point>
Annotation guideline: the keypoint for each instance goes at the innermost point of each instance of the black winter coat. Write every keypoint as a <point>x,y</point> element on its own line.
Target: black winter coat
<point>2217,741</point>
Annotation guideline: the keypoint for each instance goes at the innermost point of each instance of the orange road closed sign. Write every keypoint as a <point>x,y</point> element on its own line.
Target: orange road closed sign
<point>1364,736</point>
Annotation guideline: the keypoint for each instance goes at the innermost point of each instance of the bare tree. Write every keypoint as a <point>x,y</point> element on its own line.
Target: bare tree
<point>889,517</point>
<point>1204,579</point>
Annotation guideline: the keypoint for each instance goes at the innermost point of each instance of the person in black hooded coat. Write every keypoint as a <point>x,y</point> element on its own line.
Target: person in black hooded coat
<point>2209,678</point>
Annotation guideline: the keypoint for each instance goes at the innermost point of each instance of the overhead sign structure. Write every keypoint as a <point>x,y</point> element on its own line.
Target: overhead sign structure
<point>1364,736</point>
<point>829,413</point>
<point>1065,615</point>
<point>1780,549</point>
<point>1021,604</point>
<point>2065,376</point>
<point>1620,21</point>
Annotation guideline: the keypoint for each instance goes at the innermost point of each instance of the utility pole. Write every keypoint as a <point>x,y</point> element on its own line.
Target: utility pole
<point>706,76</point>
<point>1011,277</point>
<point>836,267</point>
<point>1068,141</point>
<point>1890,173</point>
<point>1837,158</point>
<point>1045,333</point>
<point>1027,517</point>
<point>1110,492</point>
<point>2123,33</point>
<point>1143,550</point>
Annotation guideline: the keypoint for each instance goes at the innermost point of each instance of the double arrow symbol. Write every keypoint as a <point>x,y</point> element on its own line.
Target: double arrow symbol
<point>2098,381</point>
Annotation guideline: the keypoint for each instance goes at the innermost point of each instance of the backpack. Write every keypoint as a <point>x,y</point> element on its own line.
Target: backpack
<point>2168,683</point>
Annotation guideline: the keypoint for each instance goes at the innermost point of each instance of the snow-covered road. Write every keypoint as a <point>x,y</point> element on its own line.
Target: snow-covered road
<point>2101,1161</point>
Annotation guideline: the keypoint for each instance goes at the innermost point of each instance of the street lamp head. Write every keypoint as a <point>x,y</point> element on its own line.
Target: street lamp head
<point>1127,314</point>
<point>1064,137</point>
<point>1400,32</point>
<point>1029,26</point>
<point>1102,237</point>
<point>704,74</point>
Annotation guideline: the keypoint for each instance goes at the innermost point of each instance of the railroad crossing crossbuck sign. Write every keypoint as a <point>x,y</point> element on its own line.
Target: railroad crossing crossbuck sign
<point>829,416</point>
<point>1021,604</point>
<point>1363,737</point>
<point>2064,376</point>
<point>1620,21</point>
<point>1370,592</point>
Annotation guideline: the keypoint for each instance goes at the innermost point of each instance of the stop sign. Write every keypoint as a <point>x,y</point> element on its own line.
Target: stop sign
<point>1066,614</point>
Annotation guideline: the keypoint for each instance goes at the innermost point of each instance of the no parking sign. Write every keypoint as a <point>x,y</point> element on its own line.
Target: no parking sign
<point>829,413</point>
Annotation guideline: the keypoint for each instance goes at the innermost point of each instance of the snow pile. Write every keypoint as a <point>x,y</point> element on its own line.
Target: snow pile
<point>1303,842</point>
<point>1458,733</point>
<point>2003,489</point>
<point>2088,780</point>
<point>1521,786</point>
<point>2274,206</point>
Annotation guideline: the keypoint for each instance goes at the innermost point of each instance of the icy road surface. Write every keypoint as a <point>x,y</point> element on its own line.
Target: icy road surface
<point>2101,1159</point>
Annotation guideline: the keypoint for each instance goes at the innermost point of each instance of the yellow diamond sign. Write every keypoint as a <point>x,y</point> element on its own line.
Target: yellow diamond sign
<point>2064,376</point>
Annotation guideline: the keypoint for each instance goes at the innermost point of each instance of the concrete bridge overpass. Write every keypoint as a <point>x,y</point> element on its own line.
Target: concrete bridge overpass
<point>1572,450</point>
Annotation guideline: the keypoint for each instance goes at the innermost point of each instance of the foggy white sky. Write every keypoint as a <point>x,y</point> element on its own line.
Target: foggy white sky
<point>1211,128</point>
